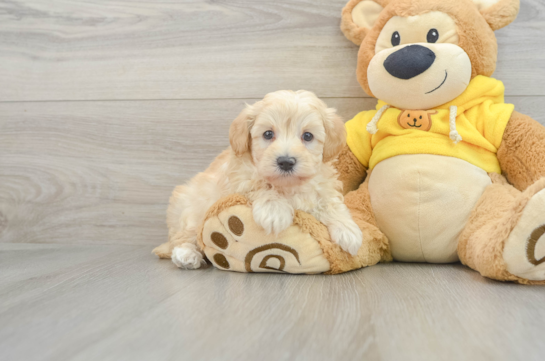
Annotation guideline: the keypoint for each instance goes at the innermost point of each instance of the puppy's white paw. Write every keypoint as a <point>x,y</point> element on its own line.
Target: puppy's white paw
<point>273,216</point>
<point>347,235</point>
<point>187,256</point>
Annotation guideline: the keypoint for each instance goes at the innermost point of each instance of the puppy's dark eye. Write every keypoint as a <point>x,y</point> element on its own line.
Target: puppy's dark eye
<point>433,36</point>
<point>269,134</point>
<point>307,137</point>
<point>396,39</point>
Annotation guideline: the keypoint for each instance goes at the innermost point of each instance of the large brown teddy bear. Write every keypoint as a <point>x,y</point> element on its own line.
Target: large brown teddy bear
<point>442,171</point>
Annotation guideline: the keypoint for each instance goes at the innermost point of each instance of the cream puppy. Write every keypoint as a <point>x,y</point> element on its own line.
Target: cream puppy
<point>280,159</point>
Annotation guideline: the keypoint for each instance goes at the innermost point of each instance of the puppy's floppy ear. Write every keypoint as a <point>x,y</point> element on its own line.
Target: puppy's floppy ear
<point>335,135</point>
<point>239,132</point>
<point>359,16</point>
<point>498,13</point>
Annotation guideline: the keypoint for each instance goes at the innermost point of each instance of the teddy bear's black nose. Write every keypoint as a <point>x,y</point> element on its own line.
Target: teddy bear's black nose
<point>286,163</point>
<point>409,62</point>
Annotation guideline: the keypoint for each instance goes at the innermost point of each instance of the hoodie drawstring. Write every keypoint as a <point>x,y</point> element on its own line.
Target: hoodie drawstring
<point>454,135</point>
<point>372,126</point>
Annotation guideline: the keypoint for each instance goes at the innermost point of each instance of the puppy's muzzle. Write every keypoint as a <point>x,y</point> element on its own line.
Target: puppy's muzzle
<point>286,163</point>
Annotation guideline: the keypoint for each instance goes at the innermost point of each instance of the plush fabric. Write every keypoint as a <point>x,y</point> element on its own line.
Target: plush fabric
<point>523,255</point>
<point>481,121</point>
<point>231,240</point>
<point>521,151</point>
<point>245,247</point>
<point>410,196</point>
<point>351,30</point>
<point>481,245</point>
<point>375,242</point>
<point>501,14</point>
<point>351,172</point>
<point>476,37</point>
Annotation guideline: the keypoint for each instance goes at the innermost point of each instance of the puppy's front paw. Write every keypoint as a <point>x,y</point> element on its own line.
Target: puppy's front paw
<point>187,256</point>
<point>348,236</point>
<point>273,217</point>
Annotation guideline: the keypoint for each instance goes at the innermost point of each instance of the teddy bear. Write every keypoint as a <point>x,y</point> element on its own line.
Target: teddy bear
<point>442,171</point>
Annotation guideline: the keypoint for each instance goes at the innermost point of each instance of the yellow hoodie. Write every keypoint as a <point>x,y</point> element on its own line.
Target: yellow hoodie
<point>481,118</point>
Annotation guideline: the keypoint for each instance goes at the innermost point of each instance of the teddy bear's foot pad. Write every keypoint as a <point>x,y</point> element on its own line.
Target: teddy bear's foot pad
<point>233,241</point>
<point>524,252</point>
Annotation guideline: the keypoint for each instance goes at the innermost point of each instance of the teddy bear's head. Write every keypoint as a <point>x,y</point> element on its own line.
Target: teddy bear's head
<point>419,54</point>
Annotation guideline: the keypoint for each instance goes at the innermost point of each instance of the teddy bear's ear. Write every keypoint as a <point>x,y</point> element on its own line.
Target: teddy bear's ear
<point>498,13</point>
<point>358,17</point>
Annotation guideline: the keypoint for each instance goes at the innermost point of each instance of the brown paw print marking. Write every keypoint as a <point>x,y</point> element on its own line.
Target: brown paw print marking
<point>221,261</point>
<point>267,247</point>
<point>219,240</point>
<point>532,242</point>
<point>236,226</point>
<point>280,259</point>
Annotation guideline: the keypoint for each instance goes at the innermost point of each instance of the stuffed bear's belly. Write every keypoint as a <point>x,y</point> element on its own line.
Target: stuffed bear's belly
<point>423,202</point>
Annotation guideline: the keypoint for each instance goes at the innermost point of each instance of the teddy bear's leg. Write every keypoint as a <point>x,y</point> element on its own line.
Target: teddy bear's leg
<point>374,241</point>
<point>349,169</point>
<point>353,174</point>
<point>505,235</point>
<point>522,151</point>
<point>231,240</point>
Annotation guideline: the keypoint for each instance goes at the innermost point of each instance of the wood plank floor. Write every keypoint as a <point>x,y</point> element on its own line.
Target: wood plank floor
<point>105,106</point>
<point>81,302</point>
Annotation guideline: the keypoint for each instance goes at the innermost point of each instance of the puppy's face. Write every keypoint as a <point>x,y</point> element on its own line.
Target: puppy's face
<point>289,134</point>
<point>287,142</point>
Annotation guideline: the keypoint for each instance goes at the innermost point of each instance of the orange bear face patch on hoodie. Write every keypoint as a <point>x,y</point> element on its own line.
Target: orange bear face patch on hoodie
<point>416,119</point>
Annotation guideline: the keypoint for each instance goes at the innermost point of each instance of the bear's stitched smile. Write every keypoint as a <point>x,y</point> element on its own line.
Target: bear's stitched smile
<point>414,126</point>
<point>444,80</point>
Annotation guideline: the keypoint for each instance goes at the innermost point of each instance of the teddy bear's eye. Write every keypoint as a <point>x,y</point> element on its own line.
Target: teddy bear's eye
<point>396,39</point>
<point>433,36</point>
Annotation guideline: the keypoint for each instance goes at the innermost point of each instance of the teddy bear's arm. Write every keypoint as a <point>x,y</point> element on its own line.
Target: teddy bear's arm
<point>522,151</point>
<point>351,172</point>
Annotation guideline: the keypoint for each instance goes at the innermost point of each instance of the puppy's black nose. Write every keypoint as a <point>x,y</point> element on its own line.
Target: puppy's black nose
<point>286,163</point>
<point>409,62</point>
